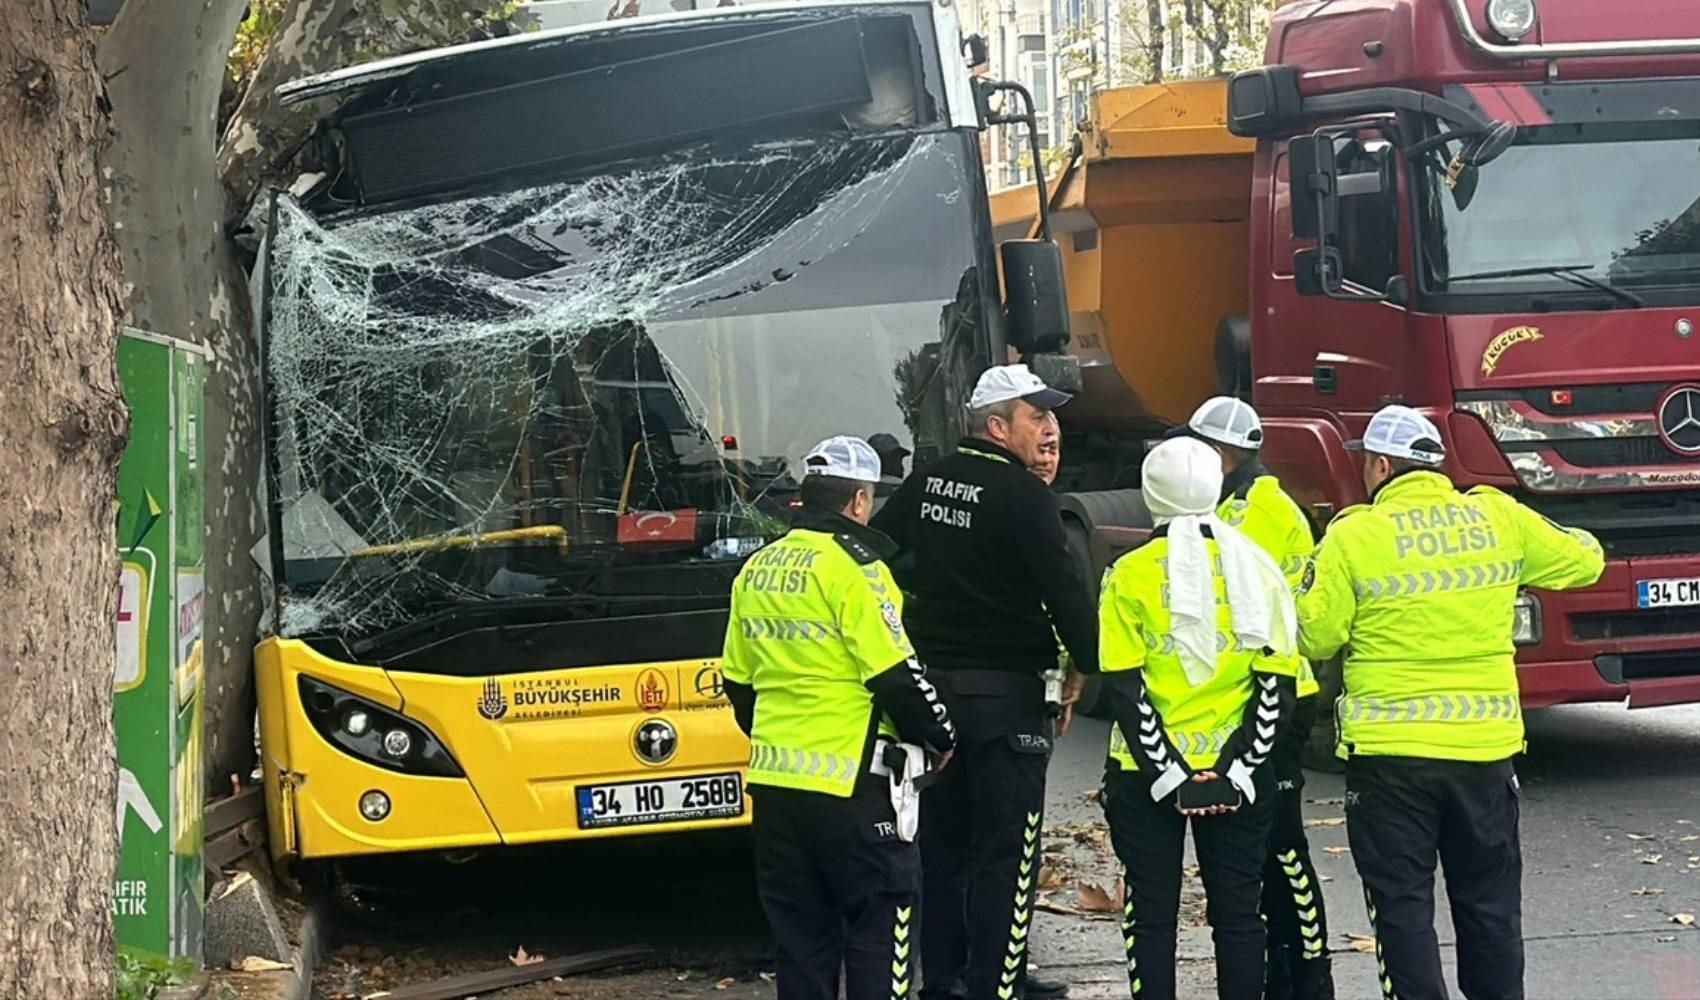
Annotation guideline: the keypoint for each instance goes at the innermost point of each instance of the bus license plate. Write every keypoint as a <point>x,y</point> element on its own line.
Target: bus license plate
<point>1667,593</point>
<point>666,800</point>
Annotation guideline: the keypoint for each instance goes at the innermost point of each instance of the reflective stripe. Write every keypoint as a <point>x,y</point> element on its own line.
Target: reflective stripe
<point>1129,941</point>
<point>1442,707</point>
<point>1164,643</point>
<point>1380,956</point>
<point>787,628</point>
<point>1307,904</point>
<point>900,948</point>
<point>988,456</point>
<point>1185,742</point>
<point>1014,960</point>
<point>766,759</point>
<point>1437,581</point>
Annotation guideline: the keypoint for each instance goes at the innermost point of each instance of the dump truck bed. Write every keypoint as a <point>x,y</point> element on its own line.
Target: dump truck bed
<point>1153,221</point>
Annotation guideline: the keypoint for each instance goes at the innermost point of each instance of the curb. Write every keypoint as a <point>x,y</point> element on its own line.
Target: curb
<point>298,983</point>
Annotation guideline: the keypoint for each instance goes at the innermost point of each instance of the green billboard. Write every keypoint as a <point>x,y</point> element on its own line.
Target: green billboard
<point>157,901</point>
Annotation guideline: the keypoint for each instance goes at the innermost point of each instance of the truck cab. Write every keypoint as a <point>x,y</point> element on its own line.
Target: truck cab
<point>1490,210</point>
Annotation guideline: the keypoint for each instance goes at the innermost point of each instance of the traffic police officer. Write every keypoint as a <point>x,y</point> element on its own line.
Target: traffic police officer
<point>991,575</point>
<point>1197,649</point>
<point>1254,502</point>
<point>1420,587</point>
<point>824,682</point>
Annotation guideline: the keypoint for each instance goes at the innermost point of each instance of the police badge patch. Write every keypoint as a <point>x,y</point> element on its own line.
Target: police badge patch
<point>1309,577</point>
<point>893,620</point>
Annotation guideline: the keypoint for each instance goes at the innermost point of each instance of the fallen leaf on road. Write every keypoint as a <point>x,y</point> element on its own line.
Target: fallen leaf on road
<point>1652,859</point>
<point>1049,878</point>
<point>254,963</point>
<point>725,984</point>
<point>1685,919</point>
<point>1095,898</point>
<point>1362,942</point>
<point>767,977</point>
<point>1327,821</point>
<point>1325,878</point>
<point>523,958</point>
<point>1050,905</point>
<point>1691,838</point>
<point>1684,822</point>
<point>1640,836</point>
<point>1665,938</point>
<point>1091,796</point>
<point>1337,850</point>
<point>1645,891</point>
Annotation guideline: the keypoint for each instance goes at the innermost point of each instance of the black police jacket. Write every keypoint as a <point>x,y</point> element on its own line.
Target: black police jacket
<point>986,566</point>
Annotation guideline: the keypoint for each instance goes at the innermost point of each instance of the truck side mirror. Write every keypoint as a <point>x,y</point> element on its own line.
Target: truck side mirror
<point>1035,296</point>
<point>1315,186</point>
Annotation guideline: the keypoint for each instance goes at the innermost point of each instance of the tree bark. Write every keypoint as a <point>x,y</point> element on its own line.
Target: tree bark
<point>164,61</point>
<point>1156,41</point>
<point>62,427</point>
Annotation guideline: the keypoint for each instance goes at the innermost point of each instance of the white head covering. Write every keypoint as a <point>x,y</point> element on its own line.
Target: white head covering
<point>1182,482</point>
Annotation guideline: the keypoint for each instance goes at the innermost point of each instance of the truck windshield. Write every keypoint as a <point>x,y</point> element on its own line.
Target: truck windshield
<point>507,396</point>
<point>1610,210</point>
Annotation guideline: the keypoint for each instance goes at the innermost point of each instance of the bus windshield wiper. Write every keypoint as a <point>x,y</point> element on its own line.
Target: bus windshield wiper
<point>1573,273</point>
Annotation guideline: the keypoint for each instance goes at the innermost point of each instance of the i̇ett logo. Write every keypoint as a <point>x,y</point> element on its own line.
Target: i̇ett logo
<point>1679,420</point>
<point>652,691</point>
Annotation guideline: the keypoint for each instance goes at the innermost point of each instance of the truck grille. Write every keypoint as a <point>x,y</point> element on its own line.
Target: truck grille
<point>1615,452</point>
<point>1661,522</point>
<point>1596,626</point>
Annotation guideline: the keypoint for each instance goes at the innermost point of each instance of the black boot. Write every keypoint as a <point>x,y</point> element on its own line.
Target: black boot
<point>1034,988</point>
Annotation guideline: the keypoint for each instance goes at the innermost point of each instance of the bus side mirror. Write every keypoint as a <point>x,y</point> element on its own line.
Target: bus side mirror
<point>1035,296</point>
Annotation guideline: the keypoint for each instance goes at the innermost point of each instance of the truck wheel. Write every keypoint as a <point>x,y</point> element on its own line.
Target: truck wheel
<point>1233,356</point>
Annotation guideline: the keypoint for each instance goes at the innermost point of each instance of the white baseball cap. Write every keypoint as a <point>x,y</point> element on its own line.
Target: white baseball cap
<point>1229,421</point>
<point>1401,432</point>
<point>843,457</point>
<point>1002,383</point>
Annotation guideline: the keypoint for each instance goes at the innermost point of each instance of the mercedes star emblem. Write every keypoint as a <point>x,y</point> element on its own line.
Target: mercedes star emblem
<point>1679,420</point>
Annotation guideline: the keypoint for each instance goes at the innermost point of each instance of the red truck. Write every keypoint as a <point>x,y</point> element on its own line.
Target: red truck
<point>1535,290</point>
<point>1487,209</point>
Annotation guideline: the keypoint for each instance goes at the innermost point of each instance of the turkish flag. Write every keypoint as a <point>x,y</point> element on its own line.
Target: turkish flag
<point>658,527</point>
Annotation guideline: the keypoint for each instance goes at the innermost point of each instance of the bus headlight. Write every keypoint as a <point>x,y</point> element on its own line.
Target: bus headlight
<point>375,806</point>
<point>372,733</point>
<point>1526,620</point>
<point>1512,19</point>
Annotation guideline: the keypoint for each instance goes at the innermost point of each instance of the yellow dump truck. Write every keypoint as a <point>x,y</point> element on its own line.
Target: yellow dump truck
<point>1152,215</point>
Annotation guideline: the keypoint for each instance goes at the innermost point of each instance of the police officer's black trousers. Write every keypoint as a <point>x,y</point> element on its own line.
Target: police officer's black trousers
<point>981,827</point>
<point>1150,840</point>
<point>839,890</point>
<point>1293,909</point>
<point>1402,813</point>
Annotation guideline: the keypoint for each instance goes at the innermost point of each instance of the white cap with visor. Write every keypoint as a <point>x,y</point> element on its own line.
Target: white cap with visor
<point>1401,432</point>
<point>843,457</point>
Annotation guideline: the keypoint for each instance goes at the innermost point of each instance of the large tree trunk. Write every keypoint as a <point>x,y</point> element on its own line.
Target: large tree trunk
<point>1157,26</point>
<point>62,427</point>
<point>164,61</point>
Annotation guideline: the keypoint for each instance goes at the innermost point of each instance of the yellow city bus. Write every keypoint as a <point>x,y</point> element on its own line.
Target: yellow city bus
<point>545,333</point>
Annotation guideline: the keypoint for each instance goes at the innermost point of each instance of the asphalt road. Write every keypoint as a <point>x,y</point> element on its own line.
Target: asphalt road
<point>1609,797</point>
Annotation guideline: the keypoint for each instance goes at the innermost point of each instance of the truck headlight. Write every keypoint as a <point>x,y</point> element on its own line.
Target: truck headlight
<point>1512,19</point>
<point>1526,620</point>
<point>372,733</point>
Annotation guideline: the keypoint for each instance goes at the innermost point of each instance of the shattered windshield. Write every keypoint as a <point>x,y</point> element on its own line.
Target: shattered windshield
<point>505,396</point>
